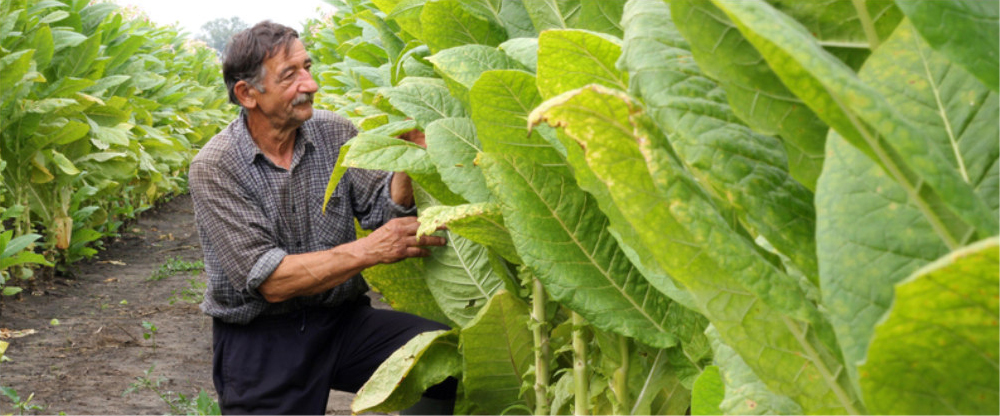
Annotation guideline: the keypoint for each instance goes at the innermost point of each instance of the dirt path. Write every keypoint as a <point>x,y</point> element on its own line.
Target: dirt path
<point>85,363</point>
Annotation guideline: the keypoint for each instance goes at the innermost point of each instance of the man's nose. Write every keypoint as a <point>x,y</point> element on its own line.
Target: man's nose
<point>307,83</point>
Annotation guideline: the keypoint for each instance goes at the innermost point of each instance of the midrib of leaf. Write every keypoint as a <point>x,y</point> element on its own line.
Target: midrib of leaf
<point>829,378</point>
<point>941,110</point>
<point>609,74</point>
<point>593,261</point>
<point>465,29</point>
<point>648,382</point>
<point>460,137</point>
<point>555,9</point>
<point>468,270</point>
<point>912,189</point>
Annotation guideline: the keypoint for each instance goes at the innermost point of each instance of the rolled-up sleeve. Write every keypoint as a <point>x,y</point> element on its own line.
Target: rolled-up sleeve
<point>241,240</point>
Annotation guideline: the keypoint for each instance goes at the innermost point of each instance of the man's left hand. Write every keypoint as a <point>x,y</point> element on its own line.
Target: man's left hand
<point>414,136</point>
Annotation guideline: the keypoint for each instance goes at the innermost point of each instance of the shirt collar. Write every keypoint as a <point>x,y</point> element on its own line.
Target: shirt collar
<point>248,149</point>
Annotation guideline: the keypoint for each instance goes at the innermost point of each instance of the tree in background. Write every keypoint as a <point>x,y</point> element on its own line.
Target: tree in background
<point>216,33</point>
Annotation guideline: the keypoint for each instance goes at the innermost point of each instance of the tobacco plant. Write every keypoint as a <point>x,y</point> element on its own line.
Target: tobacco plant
<point>101,112</point>
<point>654,207</point>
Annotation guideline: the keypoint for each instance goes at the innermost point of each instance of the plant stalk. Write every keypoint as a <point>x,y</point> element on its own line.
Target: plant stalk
<point>581,378</point>
<point>620,378</point>
<point>867,24</point>
<point>540,331</point>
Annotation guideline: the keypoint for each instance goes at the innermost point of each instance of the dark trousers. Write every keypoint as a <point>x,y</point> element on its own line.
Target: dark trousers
<point>287,364</point>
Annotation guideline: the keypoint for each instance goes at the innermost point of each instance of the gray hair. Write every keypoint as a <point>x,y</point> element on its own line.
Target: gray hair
<point>247,51</point>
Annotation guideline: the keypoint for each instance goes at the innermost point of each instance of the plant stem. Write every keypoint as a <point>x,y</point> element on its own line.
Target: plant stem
<point>620,378</point>
<point>867,24</point>
<point>581,380</point>
<point>542,350</point>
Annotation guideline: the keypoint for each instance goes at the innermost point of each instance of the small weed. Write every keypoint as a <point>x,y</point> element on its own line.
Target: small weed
<point>174,265</point>
<point>149,332</point>
<point>194,293</point>
<point>21,406</point>
<point>179,403</point>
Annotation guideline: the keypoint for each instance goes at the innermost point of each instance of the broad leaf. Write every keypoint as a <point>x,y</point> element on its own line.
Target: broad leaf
<point>482,223</point>
<point>859,112</point>
<point>501,101</point>
<point>553,14</point>
<point>424,100</point>
<point>745,170</point>
<point>570,59</point>
<point>871,232</point>
<point>745,392</point>
<point>603,16</point>
<point>561,234</point>
<point>452,146</point>
<point>510,14</point>
<point>965,31</point>
<point>759,311</point>
<point>941,332</point>
<point>426,360</point>
<point>461,66</point>
<point>497,347</point>
<point>404,288</point>
<point>523,50</point>
<point>756,94</point>
<point>447,23</point>
<point>461,278</point>
<point>708,393</point>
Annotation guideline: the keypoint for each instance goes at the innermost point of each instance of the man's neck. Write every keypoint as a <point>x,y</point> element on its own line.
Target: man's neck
<point>277,143</point>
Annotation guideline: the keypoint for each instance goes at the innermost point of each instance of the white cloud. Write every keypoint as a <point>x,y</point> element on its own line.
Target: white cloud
<point>191,14</point>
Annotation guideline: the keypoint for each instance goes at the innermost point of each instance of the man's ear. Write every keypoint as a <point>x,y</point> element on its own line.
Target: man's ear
<point>246,94</point>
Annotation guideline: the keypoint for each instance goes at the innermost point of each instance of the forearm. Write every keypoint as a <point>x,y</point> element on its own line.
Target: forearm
<point>314,273</point>
<point>401,189</point>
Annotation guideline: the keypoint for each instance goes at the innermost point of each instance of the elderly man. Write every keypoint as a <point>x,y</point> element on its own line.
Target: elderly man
<point>291,318</point>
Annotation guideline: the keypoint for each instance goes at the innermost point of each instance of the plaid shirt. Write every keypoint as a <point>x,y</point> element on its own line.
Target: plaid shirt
<point>251,213</point>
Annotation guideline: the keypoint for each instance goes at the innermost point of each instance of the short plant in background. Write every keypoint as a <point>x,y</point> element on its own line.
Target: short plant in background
<point>149,332</point>
<point>194,293</point>
<point>173,266</point>
<point>179,403</point>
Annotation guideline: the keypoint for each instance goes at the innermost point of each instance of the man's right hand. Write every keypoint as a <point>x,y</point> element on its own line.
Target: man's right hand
<point>397,240</point>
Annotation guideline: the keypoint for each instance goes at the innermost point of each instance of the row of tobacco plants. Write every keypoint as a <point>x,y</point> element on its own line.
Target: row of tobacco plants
<point>724,206</point>
<point>101,113</point>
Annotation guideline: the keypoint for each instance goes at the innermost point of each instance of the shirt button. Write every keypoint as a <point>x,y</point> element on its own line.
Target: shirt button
<point>298,244</point>
<point>293,209</point>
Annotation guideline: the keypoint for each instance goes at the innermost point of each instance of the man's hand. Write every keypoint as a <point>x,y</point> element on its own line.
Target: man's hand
<point>414,136</point>
<point>397,240</point>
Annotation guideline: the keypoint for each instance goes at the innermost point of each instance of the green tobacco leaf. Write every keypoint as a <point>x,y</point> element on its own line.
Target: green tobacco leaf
<point>708,393</point>
<point>871,233</point>
<point>501,101</point>
<point>760,312</point>
<point>603,16</point>
<point>497,347</point>
<point>482,223</point>
<point>461,278</point>
<point>523,50</point>
<point>424,100</point>
<point>510,14</point>
<point>13,67</point>
<point>452,146</point>
<point>561,234</point>
<point>370,151</point>
<point>965,31</point>
<point>570,59</point>
<point>44,46</point>
<point>745,393</point>
<point>755,93</point>
<point>858,111</point>
<point>942,333</point>
<point>403,287</point>
<point>746,170</point>
<point>447,23</point>
<point>461,66</point>
<point>553,14</point>
<point>406,13</point>
<point>426,360</point>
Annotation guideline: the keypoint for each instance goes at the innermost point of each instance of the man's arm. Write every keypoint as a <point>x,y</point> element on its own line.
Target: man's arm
<point>313,273</point>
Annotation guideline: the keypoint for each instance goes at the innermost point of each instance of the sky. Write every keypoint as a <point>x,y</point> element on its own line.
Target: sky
<point>191,14</point>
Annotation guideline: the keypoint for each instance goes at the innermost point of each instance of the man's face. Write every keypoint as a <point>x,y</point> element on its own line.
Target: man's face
<point>289,87</point>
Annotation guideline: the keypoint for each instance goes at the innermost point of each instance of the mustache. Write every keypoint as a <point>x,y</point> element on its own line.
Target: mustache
<point>303,97</point>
